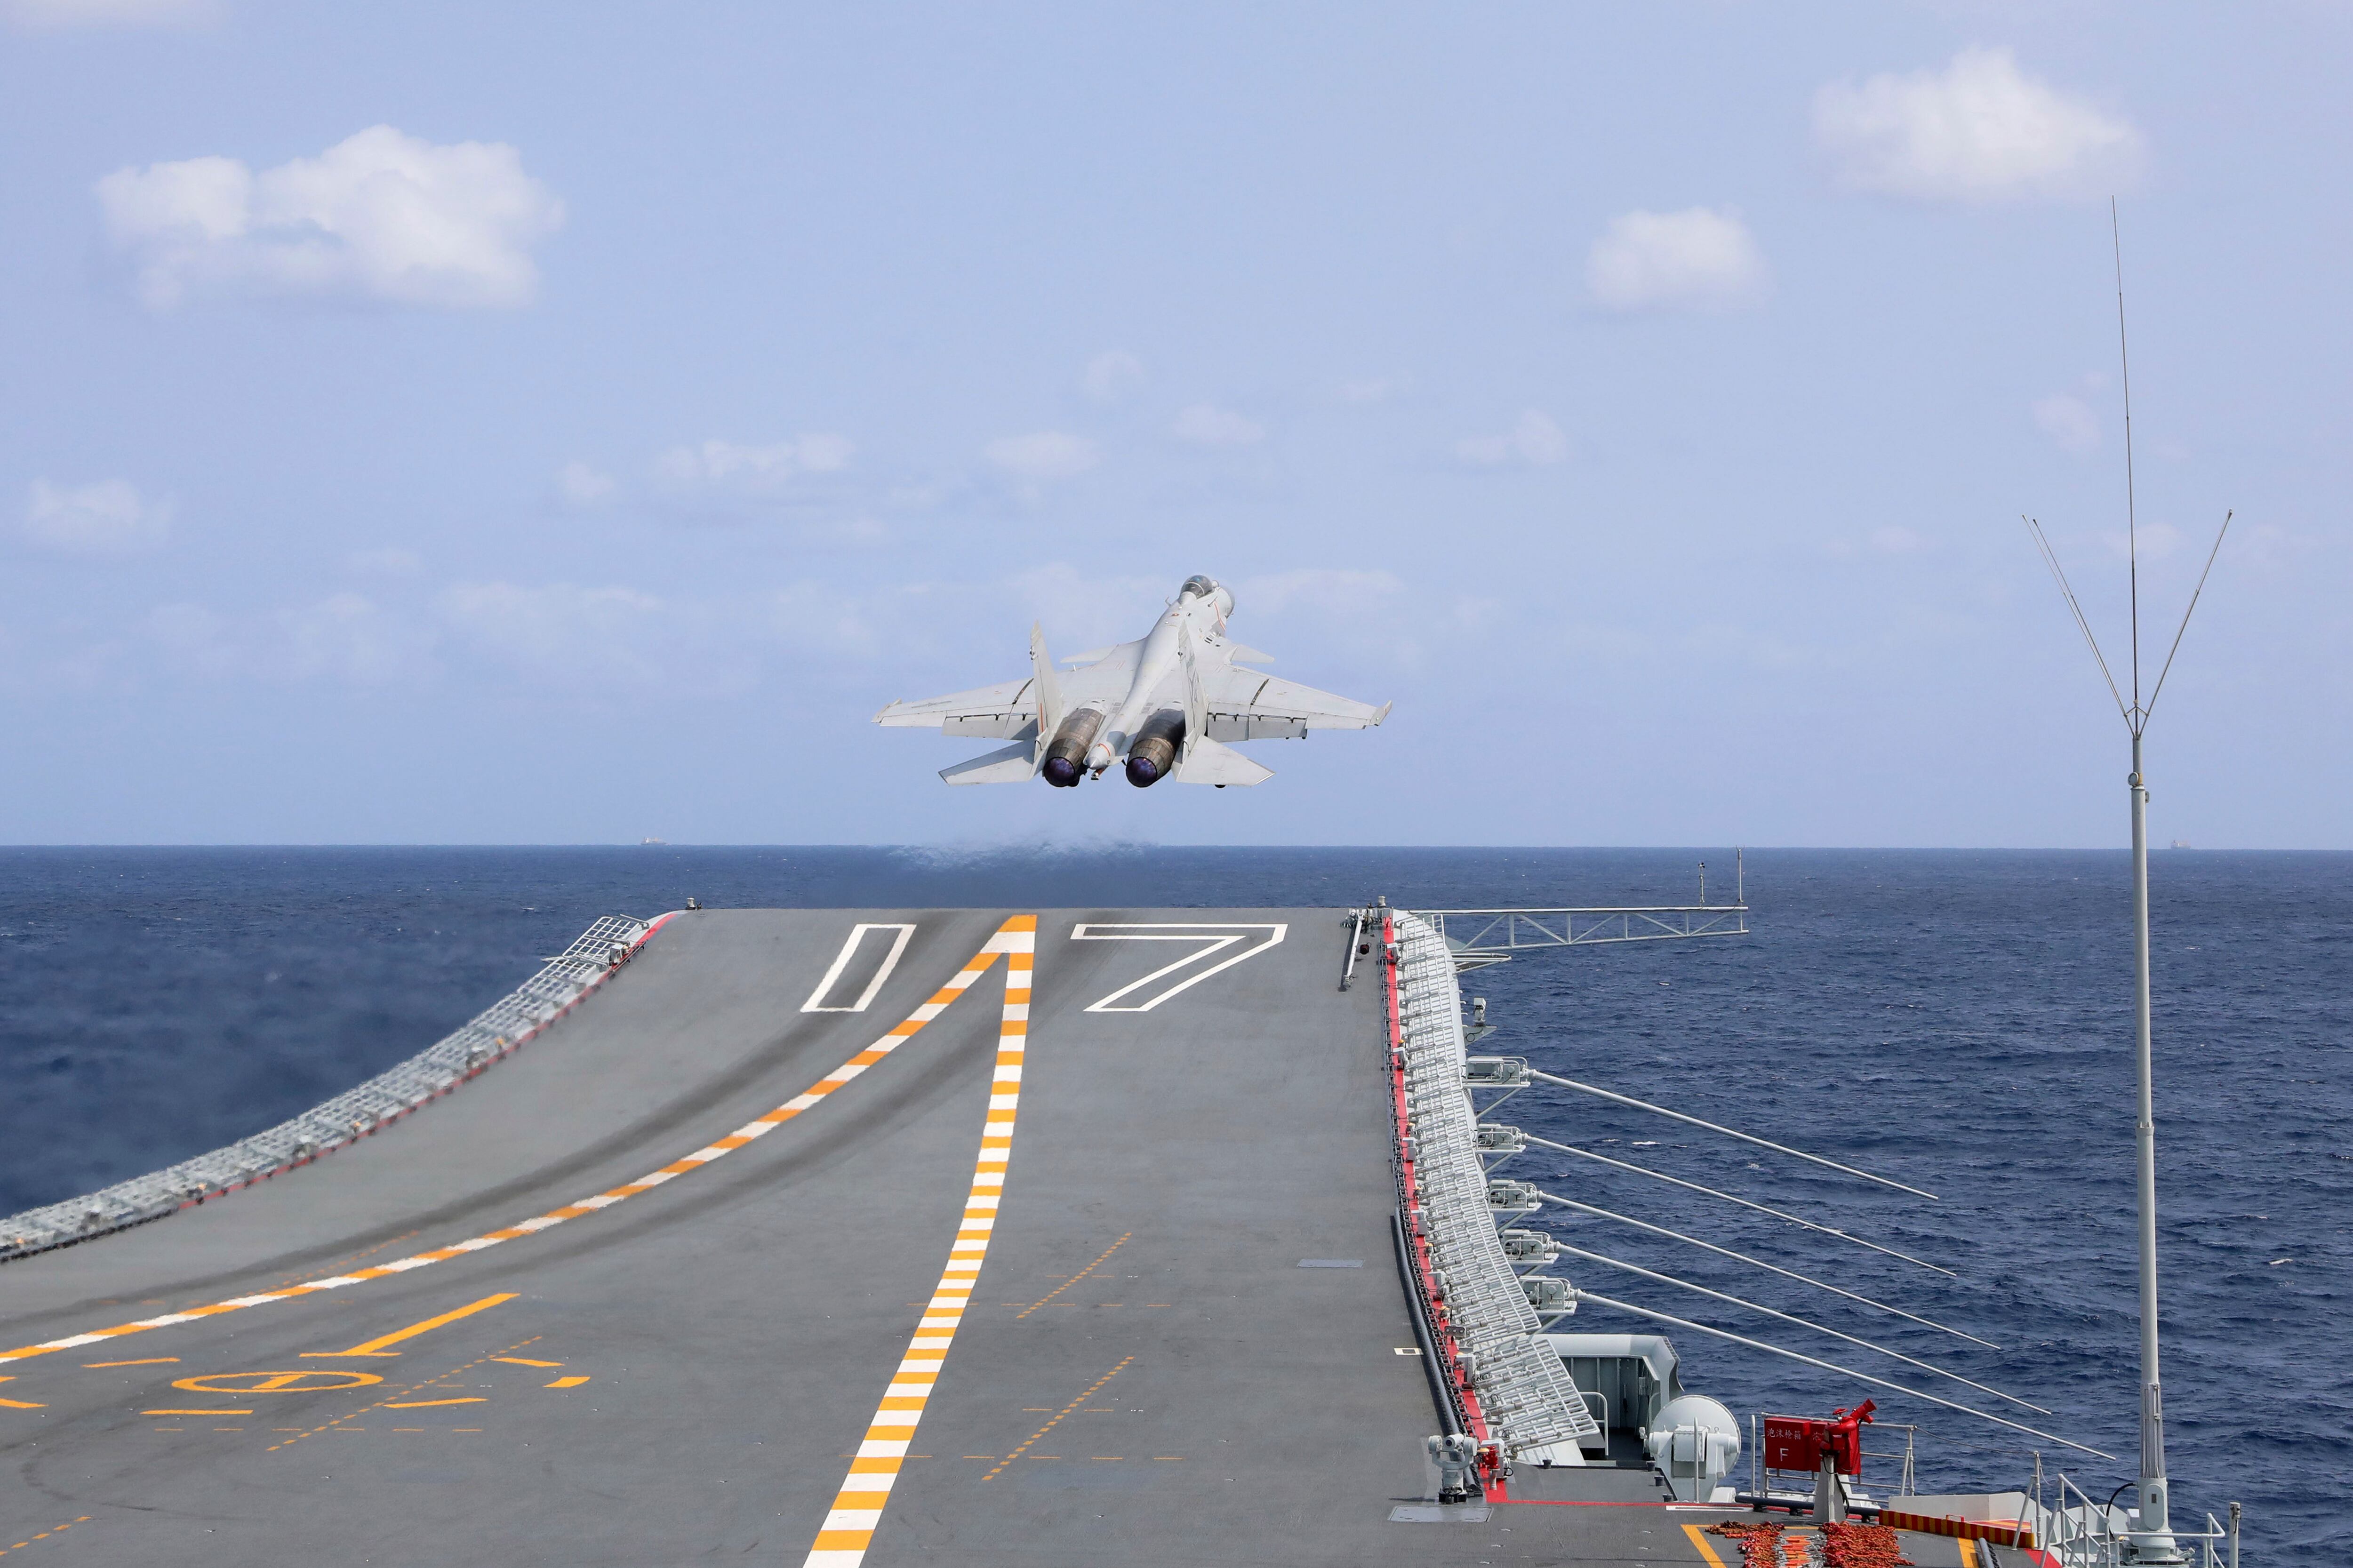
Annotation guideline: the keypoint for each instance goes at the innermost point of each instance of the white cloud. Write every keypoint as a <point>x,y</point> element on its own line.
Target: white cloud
<point>1329,591</point>
<point>581,484</point>
<point>581,634</point>
<point>1082,612</point>
<point>57,14</point>
<point>754,471</point>
<point>342,637</point>
<point>389,563</point>
<point>1207,424</point>
<point>1111,376</point>
<point>380,216</point>
<point>193,639</point>
<point>347,638</point>
<point>2154,541</point>
<point>1693,260</point>
<point>1044,455</point>
<point>2068,421</point>
<point>1533,439</point>
<point>106,519</point>
<point>1978,131</point>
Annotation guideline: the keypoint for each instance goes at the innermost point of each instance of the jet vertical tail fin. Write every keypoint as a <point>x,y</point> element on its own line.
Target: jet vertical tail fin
<point>1197,707</point>
<point>1050,695</point>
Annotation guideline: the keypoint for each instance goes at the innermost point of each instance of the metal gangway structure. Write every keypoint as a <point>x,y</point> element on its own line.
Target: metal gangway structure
<point>1478,938</point>
<point>493,1033</point>
<point>1488,1313</point>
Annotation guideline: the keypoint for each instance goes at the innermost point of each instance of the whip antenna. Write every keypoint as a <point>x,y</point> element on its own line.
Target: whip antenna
<point>2150,1530</point>
<point>2132,514</point>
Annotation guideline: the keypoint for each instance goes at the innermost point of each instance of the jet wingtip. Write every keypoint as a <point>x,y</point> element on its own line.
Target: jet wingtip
<point>1381,716</point>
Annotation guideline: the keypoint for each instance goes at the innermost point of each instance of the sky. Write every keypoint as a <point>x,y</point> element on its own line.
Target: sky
<point>538,424</point>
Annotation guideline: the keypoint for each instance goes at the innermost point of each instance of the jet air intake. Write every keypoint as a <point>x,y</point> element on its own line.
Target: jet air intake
<point>1154,751</point>
<point>1066,753</point>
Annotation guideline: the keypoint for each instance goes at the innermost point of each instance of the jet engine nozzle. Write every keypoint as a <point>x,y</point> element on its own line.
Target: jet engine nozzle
<point>1154,751</point>
<point>1066,752</point>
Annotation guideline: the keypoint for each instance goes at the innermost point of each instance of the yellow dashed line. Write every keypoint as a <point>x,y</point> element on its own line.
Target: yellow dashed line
<point>58,1530</point>
<point>849,1529</point>
<point>1074,1279</point>
<point>758,1127</point>
<point>337,1423</point>
<point>1049,1426</point>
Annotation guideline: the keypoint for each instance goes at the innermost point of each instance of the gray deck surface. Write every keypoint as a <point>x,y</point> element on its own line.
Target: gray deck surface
<point>737,1326</point>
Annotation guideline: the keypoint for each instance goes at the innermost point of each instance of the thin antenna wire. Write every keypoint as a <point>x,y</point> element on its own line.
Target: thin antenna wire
<point>2050,558</point>
<point>2187,613</point>
<point>2132,520</point>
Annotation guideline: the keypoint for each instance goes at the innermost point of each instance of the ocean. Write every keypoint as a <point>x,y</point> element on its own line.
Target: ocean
<point>1960,1021</point>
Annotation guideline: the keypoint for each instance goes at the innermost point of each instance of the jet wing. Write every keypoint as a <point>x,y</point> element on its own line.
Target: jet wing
<point>1244,705</point>
<point>998,713</point>
<point>1008,710</point>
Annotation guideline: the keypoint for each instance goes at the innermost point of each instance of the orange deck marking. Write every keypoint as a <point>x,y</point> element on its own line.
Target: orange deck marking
<point>849,1529</point>
<point>758,1127</point>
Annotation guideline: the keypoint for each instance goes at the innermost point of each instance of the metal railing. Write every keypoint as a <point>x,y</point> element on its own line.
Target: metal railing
<point>1524,1391</point>
<point>490,1035</point>
<point>2080,1533</point>
<point>1476,938</point>
<point>1898,1477</point>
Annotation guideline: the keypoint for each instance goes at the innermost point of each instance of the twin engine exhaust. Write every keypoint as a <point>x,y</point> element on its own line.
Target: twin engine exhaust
<point>1153,753</point>
<point>1150,756</point>
<point>1066,755</point>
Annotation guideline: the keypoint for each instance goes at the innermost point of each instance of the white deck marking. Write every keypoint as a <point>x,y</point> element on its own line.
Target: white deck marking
<point>1006,942</point>
<point>1177,930</point>
<point>816,1003</point>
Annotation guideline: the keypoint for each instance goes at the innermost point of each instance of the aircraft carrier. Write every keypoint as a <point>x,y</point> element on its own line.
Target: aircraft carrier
<point>1072,1237</point>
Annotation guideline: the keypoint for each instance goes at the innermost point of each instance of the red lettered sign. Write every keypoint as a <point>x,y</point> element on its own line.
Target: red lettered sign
<point>1794,1443</point>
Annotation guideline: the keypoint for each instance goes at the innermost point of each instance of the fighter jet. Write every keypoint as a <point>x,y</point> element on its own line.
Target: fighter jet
<point>1166,704</point>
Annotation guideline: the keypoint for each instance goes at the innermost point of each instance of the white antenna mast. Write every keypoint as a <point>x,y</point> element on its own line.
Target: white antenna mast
<point>2152,1534</point>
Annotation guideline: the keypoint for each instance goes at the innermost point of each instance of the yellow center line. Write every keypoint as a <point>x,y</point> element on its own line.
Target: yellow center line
<point>758,1127</point>
<point>1049,1426</point>
<point>858,1507</point>
<point>376,1347</point>
<point>1074,1279</point>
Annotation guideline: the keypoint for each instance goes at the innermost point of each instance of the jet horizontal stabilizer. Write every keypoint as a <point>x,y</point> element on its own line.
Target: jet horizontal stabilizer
<point>1215,763</point>
<point>1236,654</point>
<point>1006,765</point>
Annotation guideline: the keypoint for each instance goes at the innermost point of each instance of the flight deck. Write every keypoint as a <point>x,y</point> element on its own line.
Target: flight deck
<point>992,1237</point>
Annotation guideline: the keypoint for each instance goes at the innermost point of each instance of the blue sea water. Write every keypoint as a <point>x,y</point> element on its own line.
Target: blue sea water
<point>1958,1020</point>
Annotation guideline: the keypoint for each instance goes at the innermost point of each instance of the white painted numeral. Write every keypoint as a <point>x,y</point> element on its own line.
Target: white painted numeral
<point>1214,936</point>
<point>816,1003</point>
